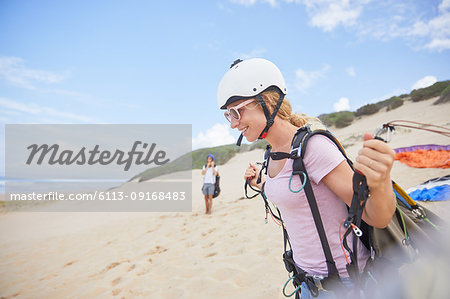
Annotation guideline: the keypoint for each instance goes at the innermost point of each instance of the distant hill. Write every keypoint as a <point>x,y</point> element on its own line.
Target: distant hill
<point>341,119</point>
<point>345,118</point>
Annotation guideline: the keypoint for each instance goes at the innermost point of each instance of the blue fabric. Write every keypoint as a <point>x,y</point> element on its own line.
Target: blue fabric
<point>438,193</point>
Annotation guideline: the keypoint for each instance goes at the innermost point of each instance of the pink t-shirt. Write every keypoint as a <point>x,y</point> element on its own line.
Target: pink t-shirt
<point>321,157</point>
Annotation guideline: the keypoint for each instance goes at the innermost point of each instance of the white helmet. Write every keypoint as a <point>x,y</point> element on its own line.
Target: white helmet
<point>248,78</point>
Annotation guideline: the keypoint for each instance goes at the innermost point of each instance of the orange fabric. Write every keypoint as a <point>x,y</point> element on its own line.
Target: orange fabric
<point>425,158</point>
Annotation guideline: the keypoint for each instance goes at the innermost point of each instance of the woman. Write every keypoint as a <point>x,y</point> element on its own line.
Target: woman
<point>253,93</point>
<point>210,172</point>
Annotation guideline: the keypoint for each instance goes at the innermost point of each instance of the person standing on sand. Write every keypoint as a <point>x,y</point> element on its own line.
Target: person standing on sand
<point>252,92</point>
<point>209,171</point>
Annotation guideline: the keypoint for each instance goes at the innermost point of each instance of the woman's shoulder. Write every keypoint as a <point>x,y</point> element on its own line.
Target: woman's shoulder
<point>320,143</point>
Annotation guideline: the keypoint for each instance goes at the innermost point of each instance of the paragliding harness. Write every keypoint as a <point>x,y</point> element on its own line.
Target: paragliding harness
<point>384,244</point>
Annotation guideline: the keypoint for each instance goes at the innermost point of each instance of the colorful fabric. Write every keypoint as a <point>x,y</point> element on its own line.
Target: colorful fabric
<point>438,193</point>
<point>424,156</point>
<point>437,189</point>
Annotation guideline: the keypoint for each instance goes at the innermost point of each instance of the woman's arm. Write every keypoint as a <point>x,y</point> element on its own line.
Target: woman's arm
<point>375,161</point>
<point>213,166</point>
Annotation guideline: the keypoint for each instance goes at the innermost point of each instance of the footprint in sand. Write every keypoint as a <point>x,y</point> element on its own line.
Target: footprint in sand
<point>157,249</point>
<point>153,229</point>
<point>211,254</point>
<point>12,296</point>
<point>143,272</point>
<point>207,246</point>
<point>111,266</point>
<point>115,281</point>
<point>70,263</point>
<point>116,292</point>
<point>50,276</point>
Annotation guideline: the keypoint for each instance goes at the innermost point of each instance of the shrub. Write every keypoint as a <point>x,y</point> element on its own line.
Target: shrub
<point>429,92</point>
<point>395,103</point>
<point>368,109</point>
<point>338,119</point>
<point>445,96</point>
<point>343,119</point>
<point>326,119</point>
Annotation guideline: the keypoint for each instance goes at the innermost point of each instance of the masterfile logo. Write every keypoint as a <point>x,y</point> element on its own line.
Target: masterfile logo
<point>99,167</point>
<point>94,156</point>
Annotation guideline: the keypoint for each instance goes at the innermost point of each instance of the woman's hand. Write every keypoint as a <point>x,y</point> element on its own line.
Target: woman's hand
<point>252,173</point>
<point>375,161</point>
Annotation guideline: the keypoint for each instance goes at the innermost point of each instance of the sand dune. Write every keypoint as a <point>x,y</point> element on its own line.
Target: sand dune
<point>230,253</point>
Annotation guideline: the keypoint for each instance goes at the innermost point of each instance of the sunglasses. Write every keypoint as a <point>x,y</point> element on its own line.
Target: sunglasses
<point>233,112</point>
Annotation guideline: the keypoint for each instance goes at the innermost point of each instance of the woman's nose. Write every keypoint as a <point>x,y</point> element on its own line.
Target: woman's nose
<point>234,123</point>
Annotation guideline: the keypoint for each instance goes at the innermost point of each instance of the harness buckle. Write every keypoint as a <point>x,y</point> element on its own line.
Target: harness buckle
<point>418,212</point>
<point>296,152</point>
<point>317,279</point>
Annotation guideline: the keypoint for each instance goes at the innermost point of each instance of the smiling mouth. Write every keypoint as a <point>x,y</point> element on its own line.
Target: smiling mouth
<point>244,131</point>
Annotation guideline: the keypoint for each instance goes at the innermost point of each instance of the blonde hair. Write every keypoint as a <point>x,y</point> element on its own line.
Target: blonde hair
<point>285,112</point>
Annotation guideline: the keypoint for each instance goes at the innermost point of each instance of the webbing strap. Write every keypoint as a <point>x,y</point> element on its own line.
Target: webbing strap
<point>298,167</point>
<point>331,266</point>
<point>269,118</point>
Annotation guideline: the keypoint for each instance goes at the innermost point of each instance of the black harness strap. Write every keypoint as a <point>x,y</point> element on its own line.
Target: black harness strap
<point>298,168</point>
<point>269,118</point>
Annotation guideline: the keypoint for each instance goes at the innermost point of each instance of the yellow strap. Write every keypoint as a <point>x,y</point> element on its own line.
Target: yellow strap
<point>405,195</point>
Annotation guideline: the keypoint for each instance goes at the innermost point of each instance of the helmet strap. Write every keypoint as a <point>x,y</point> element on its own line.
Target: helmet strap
<point>269,118</point>
<point>238,143</point>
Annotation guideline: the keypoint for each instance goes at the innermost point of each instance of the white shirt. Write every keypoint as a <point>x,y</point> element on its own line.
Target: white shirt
<point>209,178</point>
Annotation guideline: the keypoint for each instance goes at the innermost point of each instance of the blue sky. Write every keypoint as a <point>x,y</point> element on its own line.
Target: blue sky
<point>160,62</point>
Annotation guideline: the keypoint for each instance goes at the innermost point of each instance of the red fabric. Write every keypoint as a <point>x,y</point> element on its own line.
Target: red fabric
<point>425,158</point>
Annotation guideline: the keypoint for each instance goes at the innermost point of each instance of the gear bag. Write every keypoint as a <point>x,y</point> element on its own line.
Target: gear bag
<point>217,187</point>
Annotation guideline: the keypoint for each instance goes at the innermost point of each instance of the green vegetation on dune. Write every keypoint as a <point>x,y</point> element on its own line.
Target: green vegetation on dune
<point>445,96</point>
<point>338,119</point>
<point>430,91</point>
<point>345,118</point>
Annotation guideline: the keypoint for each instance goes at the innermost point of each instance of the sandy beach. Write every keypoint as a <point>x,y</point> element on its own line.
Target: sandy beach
<point>229,254</point>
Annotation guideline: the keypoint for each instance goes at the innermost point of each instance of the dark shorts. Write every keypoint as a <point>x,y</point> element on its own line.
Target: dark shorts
<point>208,189</point>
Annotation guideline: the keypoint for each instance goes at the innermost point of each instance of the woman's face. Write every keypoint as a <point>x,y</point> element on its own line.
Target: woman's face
<point>209,159</point>
<point>251,122</point>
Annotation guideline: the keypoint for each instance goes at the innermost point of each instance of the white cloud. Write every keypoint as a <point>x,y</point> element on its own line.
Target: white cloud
<point>304,79</point>
<point>251,2</point>
<point>436,29</point>
<point>341,105</point>
<point>424,82</point>
<point>41,111</point>
<point>328,14</point>
<point>13,70</point>
<point>382,20</point>
<point>351,71</point>
<point>219,134</point>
